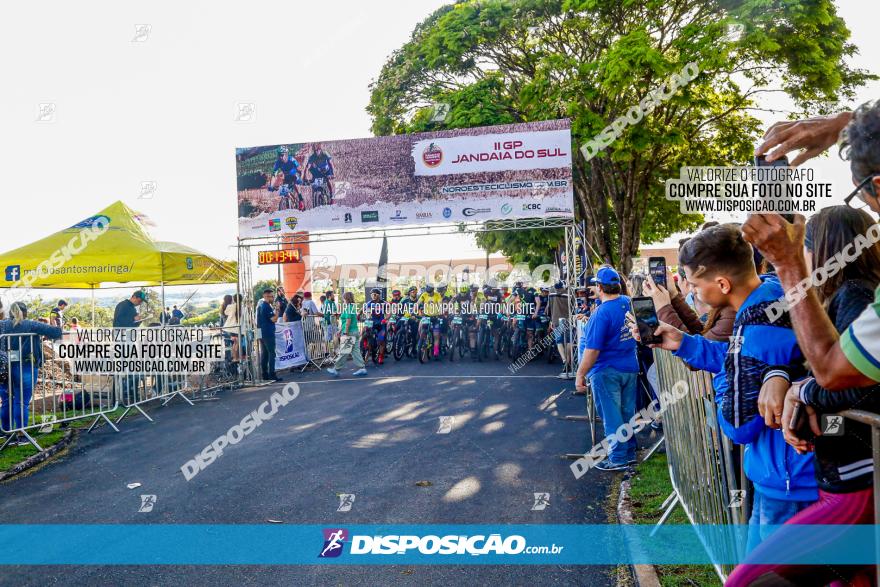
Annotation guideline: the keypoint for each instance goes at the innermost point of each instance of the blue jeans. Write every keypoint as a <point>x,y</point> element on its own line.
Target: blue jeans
<point>615,393</point>
<point>768,512</point>
<point>22,380</point>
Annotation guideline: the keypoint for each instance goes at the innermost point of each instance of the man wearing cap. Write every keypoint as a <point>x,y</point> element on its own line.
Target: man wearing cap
<point>126,313</point>
<point>609,358</point>
<point>309,304</point>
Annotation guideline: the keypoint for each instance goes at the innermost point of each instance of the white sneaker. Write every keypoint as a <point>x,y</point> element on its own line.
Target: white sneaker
<point>360,372</point>
<point>333,372</point>
<point>564,375</point>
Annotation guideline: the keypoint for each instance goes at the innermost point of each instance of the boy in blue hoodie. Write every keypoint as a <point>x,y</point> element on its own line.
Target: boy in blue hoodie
<point>719,266</point>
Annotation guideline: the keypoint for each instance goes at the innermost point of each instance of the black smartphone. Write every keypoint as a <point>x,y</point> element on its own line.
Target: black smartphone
<point>800,423</point>
<point>761,161</point>
<point>646,320</point>
<point>657,270</point>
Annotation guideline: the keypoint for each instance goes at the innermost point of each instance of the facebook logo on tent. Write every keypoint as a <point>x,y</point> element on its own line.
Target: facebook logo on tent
<point>13,272</point>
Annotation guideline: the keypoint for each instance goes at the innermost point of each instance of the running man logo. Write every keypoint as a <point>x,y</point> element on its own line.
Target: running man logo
<point>446,424</point>
<point>737,498</point>
<point>147,503</point>
<point>288,341</point>
<point>542,500</point>
<point>832,425</point>
<point>346,500</point>
<point>13,272</point>
<point>334,540</point>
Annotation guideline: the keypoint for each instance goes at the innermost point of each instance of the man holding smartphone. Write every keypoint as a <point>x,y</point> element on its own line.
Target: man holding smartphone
<point>608,356</point>
<point>720,268</point>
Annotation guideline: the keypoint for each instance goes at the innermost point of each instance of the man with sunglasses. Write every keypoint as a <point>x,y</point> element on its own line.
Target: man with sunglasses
<point>852,359</point>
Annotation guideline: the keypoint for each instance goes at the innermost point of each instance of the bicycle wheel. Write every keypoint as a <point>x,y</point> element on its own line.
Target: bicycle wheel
<point>464,342</point>
<point>453,339</point>
<point>399,344</point>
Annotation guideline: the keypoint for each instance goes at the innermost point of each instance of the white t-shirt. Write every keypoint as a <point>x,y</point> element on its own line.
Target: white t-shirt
<point>310,306</point>
<point>231,314</point>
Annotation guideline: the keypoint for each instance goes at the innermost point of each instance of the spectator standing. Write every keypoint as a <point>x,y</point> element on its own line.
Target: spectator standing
<point>329,316</point>
<point>56,315</point>
<point>232,325</point>
<point>608,356</point>
<point>126,313</point>
<point>557,312</point>
<point>74,324</point>
<point>166,316</point>
<point>227,299</point>
<point>720,267</point>
<point>309,305</point>
<point>23,369</point>
<point>350,343</point>
<point>176,316</point>
<point>266,319</point>
<point>844,462</point>
<point>294,310</point>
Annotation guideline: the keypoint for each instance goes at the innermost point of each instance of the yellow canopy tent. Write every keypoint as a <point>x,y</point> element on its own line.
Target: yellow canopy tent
<point>111,247</point>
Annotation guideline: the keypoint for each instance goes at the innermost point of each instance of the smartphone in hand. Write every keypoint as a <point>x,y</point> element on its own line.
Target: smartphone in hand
<point>657,270</point>
<point>646,320</point>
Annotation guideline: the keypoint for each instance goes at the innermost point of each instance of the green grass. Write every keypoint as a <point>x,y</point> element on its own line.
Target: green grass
<point>649,488</point>
<point>13,455</point>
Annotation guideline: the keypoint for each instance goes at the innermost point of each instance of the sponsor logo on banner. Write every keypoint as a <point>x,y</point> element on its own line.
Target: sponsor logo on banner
<point>506,209</point>
<point>424,215</point>
<point>432,156</point>
<point>347,218</point>
<point>13,272</point>
<point>288,341</point>
<point>189,263</point>
<point>475,211</point>
<point>398,216</point>
<point>290,221</point>
<point>531,206</point>
<point>557,210</point>
<point>334,541</point>
<point>493,152</point>
<point>447,212</point>
<point>370,216</point>
<point>274,225</point>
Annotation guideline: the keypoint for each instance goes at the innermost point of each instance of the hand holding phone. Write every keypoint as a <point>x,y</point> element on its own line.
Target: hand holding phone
<point>646,320</point>
<point>657,270</point>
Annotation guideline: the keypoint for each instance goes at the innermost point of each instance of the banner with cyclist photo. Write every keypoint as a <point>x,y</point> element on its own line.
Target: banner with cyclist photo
<point>484,173</point>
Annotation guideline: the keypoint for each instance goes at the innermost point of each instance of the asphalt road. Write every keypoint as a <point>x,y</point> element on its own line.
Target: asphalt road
<point>374,437</point>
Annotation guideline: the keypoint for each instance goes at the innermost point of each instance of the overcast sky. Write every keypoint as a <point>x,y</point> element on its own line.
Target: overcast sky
<point>158,105</point>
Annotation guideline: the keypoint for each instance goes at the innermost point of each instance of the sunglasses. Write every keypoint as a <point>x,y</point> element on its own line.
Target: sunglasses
<point>860,193</point>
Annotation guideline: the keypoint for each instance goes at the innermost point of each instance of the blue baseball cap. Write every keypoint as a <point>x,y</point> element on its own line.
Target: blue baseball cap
<point>606,276</point>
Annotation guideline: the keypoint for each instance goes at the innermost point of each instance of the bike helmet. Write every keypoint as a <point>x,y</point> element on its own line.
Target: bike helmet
<point>442,287</point>
<point>376,291</point>
<point>282,150</point>
<point>475,287</point>
<point>463,289</point>
<point>412,289</point>
<point>395,292</point>
<point>544,288</point>
<point>487,287</point>
<point>429,288</point>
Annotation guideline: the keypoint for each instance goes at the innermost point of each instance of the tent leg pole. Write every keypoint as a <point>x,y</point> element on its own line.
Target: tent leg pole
<point>93,305</point>
<point>162,309</point>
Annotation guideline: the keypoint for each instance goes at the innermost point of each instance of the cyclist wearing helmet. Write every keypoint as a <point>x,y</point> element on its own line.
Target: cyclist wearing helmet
<point>430,304</point>
<point>409,308</point>
<point>286,172</point>
<point>375,311</point>
<point>319,165</point>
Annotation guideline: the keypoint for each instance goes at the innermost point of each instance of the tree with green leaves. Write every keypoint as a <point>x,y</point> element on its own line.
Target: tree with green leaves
<point>506,61</point>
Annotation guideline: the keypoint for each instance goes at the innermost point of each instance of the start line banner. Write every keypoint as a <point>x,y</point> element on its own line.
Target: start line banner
<point>124,351</point>
<point>468,174</point>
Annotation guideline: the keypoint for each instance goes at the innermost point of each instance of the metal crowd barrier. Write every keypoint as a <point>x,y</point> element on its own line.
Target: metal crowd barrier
<point>319,350</point>
<point>39,398</point>
<point>704,466</point>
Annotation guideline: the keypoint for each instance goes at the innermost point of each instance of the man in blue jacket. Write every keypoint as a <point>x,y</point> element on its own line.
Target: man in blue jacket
<point>720,268</point>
